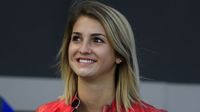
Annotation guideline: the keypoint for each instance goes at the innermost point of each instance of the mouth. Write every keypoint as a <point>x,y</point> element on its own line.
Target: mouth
<point>86,60</point>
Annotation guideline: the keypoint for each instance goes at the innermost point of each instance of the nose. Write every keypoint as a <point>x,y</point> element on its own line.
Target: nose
<point>85,48</point>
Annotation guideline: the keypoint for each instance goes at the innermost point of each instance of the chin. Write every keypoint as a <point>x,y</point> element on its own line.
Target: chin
<point>85,75</point>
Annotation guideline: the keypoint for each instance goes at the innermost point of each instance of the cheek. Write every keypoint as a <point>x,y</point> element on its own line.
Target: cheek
<point>70,54</point>
<point>71,50</point>
<point>107,53</point>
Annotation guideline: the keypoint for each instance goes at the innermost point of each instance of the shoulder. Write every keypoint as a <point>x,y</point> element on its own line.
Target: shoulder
<point>54,106</point>
<point>145,107</point>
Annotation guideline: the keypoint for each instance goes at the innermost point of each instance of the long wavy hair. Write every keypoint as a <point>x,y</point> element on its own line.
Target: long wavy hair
<point>121,38</point>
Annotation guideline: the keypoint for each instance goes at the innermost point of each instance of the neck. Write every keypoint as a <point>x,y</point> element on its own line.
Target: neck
<point>95,94</point>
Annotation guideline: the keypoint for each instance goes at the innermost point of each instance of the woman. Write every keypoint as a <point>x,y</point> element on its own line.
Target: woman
<point>98,63</point>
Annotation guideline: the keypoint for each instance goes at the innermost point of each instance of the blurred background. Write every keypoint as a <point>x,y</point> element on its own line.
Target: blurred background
<point>167,38</point>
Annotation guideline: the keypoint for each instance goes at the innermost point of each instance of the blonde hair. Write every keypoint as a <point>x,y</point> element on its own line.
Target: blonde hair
<point>121,38</point>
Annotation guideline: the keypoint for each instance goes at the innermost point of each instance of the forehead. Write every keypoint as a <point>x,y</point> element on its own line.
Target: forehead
<point>88,24</point>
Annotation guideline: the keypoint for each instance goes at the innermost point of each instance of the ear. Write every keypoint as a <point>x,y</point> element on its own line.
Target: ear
<point>118,60</point>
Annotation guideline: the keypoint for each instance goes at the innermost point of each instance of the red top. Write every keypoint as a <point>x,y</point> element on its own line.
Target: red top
<point>60,106</point>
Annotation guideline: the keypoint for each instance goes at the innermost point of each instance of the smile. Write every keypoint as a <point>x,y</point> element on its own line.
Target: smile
<point>86,60</point>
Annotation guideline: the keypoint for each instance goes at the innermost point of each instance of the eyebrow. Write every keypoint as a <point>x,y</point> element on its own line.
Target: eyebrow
<point>98,34</point>
<point>77,33</point>
<point>93,34</point>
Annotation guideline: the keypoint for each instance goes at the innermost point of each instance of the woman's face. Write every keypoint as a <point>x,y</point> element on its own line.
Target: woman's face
<point>90,53</point>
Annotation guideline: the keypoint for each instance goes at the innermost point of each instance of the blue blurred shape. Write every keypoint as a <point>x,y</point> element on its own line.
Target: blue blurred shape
<point>4,106</point>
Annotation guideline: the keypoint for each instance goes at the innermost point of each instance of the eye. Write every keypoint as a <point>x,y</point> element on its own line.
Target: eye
<point>98,40</point>
<point>76,38</point>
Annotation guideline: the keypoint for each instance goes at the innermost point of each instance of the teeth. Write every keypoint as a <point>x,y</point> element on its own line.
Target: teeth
<point>86,61</point>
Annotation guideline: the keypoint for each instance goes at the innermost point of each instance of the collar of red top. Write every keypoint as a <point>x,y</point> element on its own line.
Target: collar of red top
<point>112,108</point>
<point>76,103</point>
